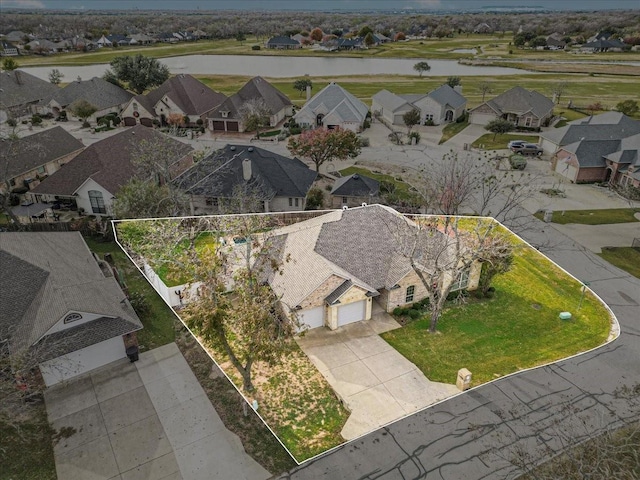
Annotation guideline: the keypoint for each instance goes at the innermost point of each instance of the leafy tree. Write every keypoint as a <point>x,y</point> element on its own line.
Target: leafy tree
<point>538,42</point>
<point>628,107</point>
<point>400,36</point>
<point>453,81</point>
<point>141,198</point>
<point>302,84</point>
<point>315,199</point>
<point>9,64</point>
<point>421,67</point>
<point>139,72</point>
<point>240,37</point>
<point>55,76</point>
<point>485,87</point>
<point>255,115</point>
<point>323,145</point>
<point>364,31</point>
<point>369,40</point>
<point>411,118</point>
<point>111,77</point>
<point>337,32</point>
<point>316,35</point>
<point>499,125</point>
<point>83,110</point>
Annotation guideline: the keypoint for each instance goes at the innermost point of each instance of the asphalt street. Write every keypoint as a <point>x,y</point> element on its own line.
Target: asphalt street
<point>494,430</point>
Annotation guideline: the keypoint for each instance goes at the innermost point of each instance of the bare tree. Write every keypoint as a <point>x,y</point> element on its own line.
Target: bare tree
<point>485,87</point>
<point>559,89</point>
<point>255,115</point>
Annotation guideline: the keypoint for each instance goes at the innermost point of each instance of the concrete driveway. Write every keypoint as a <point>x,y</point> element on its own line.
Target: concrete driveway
<point>375,382</point>
<point>145,420</point>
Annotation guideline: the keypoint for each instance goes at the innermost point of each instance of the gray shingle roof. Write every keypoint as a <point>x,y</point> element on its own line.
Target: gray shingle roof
<point>338,292</point>
<point>36,150</point>
<point>519,101</point>
<point>282,41</point>
<point>607,126</point>
<point>63,277</point>
<point>591,153</point>
<point>109,161</point>
<point>191,95</point>
<point>356,186</point>
<point>219,174</point>
<point>392,101</point>
<point>98,92</point>
<point>256,88</point>
<point>445,95</point>
<point>21,88</point>
<point>336,99</point>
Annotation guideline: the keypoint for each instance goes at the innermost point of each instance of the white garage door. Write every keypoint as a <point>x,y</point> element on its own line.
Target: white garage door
<point>312,318</point>
<point>82,361</point>
<point>351,312</point>
<point>481,118</point>
<point>567,171</point>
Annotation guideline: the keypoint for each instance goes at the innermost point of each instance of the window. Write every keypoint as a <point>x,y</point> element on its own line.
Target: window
<point>527,122</point>
<point>135,107</point>
<point>291,202</point>
<point>409,294</point>
<point>462,282</point>
<point>297,202</point>
<point>345,200</point>
<point>97,202</point>
<point>72,317</point>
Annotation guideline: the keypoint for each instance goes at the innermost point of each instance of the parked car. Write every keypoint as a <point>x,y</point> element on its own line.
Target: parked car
<point>527,149</point>
<point>514,143</point>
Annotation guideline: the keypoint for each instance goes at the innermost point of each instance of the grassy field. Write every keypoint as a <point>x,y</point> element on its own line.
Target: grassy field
<point>594,217</point>
<point>518,328</point>
<point>452,130</point>
<point>488,142</point>
<point>158,319</point>
<point>625,258</point>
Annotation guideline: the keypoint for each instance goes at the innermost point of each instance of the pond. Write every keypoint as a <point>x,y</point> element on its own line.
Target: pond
<point>286,67</point>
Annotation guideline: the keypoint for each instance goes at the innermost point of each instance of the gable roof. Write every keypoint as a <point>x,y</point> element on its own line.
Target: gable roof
<point>256,88</point>
<point>606,126</point>
<point>446,95</point>
<point>98,92</point>
<point>391,101</point>
<point>591,153</point>
<point>221,173</point>
<point>191,95</point>
<point>519,101</point>
<point>109,161</point>
<point>337,100</point>
<point>21,88</point>
<point>36,150</point>
<point>356,185</point>
<point>282,41</point>
<point>56,273</point>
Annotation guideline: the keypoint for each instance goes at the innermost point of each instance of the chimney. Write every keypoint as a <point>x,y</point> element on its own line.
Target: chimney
<point>246,169</point>
<point>458,88</point>
<point>18,75</point>
<point>308,92</point>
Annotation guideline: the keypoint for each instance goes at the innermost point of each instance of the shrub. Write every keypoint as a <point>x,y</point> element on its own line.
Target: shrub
<point>399,311</point>
<point>364,141</point>
<point>415,135</point>
<point>315,199</point>
<point>429,123</point>
<point>255,47</point>
<point>199,121</point>
<point>12,122</point>
<point>366,124</point>
<point>36,119</point>
<point>139,303</point>
<point>86,124</point>
<point>414,314</point>
<point>296,130</point>
<point>116,120</point>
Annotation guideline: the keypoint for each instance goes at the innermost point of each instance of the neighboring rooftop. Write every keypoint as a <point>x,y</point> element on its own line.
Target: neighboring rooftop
<point>191,95</point>
<point>98,92</point>
<point>21,88</point>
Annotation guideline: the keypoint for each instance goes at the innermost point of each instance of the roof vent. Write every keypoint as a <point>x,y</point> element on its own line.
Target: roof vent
<point>232,148</point>
<point>364,204</point>
<point>250,149</point>
<point>355,176</point>
<point>344,207</point>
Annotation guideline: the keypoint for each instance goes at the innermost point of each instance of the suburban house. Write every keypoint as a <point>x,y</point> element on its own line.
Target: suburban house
<point>598,148</point>
<point>442,105</point>
<point>93,178</point>
<point>256,179</point>
<point>602,45</point>
<point>105,96</point>
<point>524,108</point>
<point>23,94</point>
<point>181,95</point>
<point>333,107</point>
<point>227,117</point>
<point>60,308</point>
<point>354,190</point>
<point>283,43</point>
<point>32,158</point>
<point>338,262</point>
<point>337,44</point>
<point>555,41</point>
<point>8,49</point>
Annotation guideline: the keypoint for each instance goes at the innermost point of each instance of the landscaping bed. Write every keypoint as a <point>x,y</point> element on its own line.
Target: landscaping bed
<point>516,329</point>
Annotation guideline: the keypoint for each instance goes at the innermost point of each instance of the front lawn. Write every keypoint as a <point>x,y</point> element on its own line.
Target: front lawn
<point>158,319</point>
<point>487,142</point>
<point>452,130</point>
<point>593,217</point>
<point>517,329</point>
<point>625,258</point>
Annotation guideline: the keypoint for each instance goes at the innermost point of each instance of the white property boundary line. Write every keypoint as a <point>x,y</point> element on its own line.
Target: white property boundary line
<point>614,332</point>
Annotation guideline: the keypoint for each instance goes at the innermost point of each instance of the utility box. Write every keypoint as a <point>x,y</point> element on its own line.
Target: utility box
<point>463,381</point>
<point>565,315</point>
<point>548,216</point>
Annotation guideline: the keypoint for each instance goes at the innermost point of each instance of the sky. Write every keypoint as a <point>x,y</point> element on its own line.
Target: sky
<point>318,5</point>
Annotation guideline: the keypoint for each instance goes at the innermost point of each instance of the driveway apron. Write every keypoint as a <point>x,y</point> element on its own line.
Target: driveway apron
<point>145,420</point>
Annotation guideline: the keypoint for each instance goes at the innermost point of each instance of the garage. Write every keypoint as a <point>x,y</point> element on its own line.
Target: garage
<point>129,121</point>
<point>147,122</point>
<point>481,118</point>
<point>218,125</point>
<point>351,312</point>
<point>232,127</point>
<point>567,170</point>
<point>82,361</point>
<point>312,317</point>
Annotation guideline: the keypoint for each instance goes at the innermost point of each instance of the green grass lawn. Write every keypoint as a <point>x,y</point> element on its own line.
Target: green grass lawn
<point>487,141</point>
<point>593,217</point>
<point>625,258</point>
<point>452,130</point>
<point>158,320</point>
<point>518,328</point>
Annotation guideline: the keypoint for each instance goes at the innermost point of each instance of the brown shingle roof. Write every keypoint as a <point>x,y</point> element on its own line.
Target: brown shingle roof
<point>191,95</point>
<point>108,162</point>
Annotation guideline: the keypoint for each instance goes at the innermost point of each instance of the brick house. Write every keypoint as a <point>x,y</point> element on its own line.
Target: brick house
<point>524,108</point>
